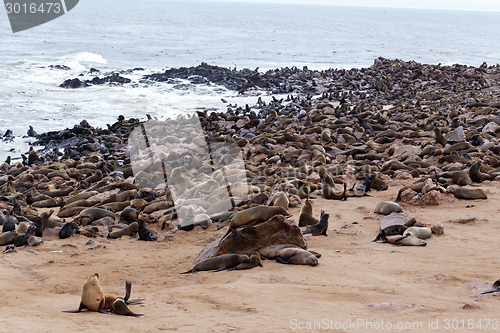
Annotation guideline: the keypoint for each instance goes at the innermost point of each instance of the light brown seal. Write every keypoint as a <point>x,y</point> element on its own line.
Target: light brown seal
<point>129,230</point>
<point>296,257</point>
<point>466,193</point>
<point>388,207</point>
<point>407,240</point>
<point>329,193</point>
<point>419,232</point>
<point>280,199</point>
<point>306,215</point>
<point>92,297</point>
<point>271,251</point>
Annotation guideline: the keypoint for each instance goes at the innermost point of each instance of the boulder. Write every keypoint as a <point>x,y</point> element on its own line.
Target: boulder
<point>457,135</point>
<point>277,230</point>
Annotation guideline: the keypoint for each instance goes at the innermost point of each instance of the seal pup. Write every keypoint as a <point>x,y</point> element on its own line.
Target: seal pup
<point>296,256</point>
<point>92,297</point>
<point>367,184</point>
<point>466,193</point>
<point>319,228</point>
<point>252,262</point>
<point>219,263</point>
<point>145,233</point>
<point>306,218</point>
<point>68,230</point>
<point>388,207</point>
<point>22,240</point>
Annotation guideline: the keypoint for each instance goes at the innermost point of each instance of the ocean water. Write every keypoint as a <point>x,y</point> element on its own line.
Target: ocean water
<point>154,34</point>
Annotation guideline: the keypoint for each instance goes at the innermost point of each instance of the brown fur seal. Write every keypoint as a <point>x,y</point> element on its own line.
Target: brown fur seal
<point>306,215</point>
<point>271,251</point>
<point>92,297</point>
<point>466,193</point>
<point>81,196</point>
<point>319,228</point>
<point>387,207</point>
<point>89,215</point>
<point>252,262</point>
<point>252,216</point>
<point>119,306</point>
<point>259,199</point>
<point>8,238</point>
<point>419,232</point>
<point>280,199</point>
<point>129,230</point>
<point>475,173</point>
<point>296,257</point>
<point>407,240</point>
<point>329,193</point>
<point>52,202</point>
<point>219,263</point>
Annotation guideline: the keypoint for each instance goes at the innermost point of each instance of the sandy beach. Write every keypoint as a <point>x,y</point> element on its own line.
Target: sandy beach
<point>355,280</point>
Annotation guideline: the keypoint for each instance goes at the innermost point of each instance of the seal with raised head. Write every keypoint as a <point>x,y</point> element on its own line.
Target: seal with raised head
<point>306,215</point>
<point>319,228</point>
<point>92,297</point>
<point>296,257</point>
<point>145,233</point>
<point>219,263</point>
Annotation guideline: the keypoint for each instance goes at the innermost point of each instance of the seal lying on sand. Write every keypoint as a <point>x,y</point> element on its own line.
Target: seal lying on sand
<point>296,257</point>
<point>271,251</point>
<point>219,263</point>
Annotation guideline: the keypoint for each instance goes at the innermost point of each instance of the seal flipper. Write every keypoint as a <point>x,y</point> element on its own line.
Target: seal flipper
<point>219,269</point>
<point>190,271</point>
<point>324,233</point>
<point>236,235</point>
<point>80,308</point>
<point>281,260</point>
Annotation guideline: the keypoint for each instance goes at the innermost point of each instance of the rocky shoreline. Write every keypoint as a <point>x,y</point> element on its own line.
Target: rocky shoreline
<point>338,134</point>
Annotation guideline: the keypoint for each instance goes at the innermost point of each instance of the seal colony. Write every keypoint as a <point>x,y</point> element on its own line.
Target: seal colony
<point>355,132</point>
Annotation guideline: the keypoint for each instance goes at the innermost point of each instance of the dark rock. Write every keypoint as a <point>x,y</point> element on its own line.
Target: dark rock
<point>277,230</point>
